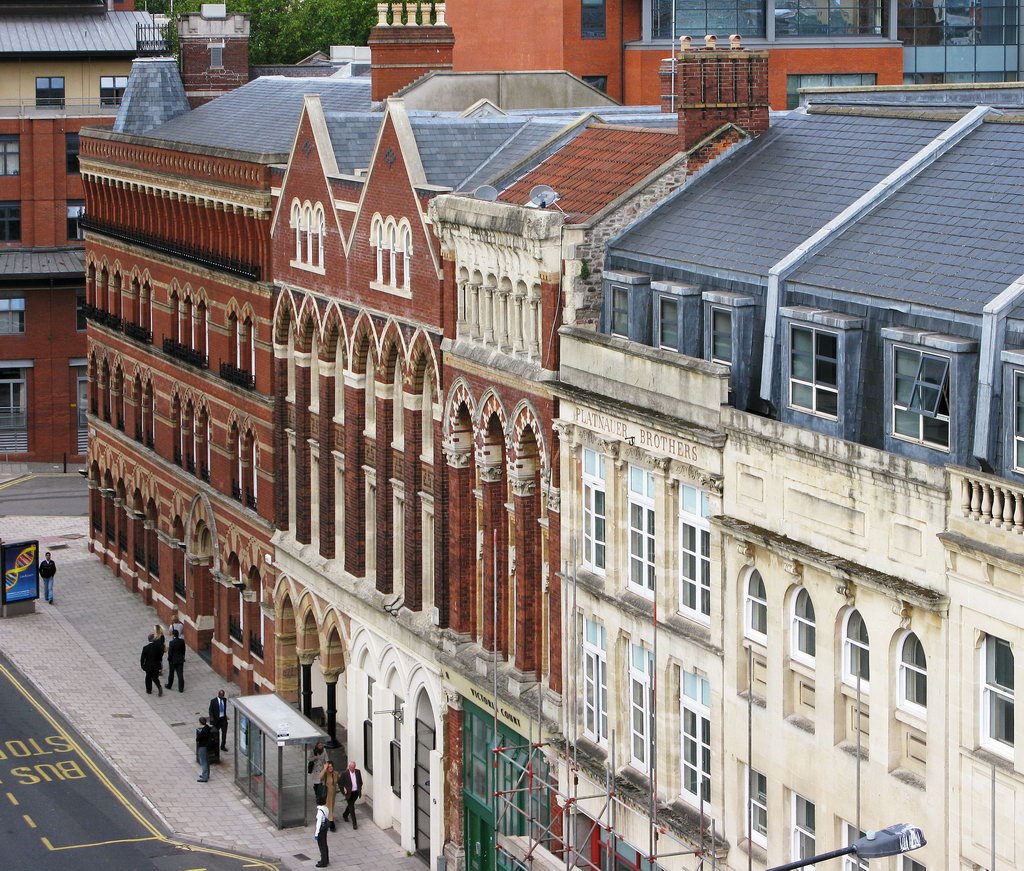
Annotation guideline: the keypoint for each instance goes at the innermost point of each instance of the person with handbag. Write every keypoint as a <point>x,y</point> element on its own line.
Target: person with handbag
<point>329,781</point>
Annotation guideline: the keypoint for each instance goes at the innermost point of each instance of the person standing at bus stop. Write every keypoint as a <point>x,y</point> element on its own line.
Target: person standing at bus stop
<point>47,569</point>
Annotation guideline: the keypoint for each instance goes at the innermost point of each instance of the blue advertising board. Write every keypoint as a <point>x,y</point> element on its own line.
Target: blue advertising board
<point>20,562</point>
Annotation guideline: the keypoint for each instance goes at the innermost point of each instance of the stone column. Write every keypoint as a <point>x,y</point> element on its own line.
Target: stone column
<point>355,477</point>
<point>385,492</point>
<point>280,437</point>
<point>412,476</point>
<point>306,663</point>
<point>494,562</point>
<point>526,502</point>
<point>303,527</point>
<point>454,848</point>
<point>331,713</point>
<point>461,542</point>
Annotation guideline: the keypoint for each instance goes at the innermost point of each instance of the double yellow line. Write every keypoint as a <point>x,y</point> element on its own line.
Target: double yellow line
<point>154,833</point>
<point>19,480</point>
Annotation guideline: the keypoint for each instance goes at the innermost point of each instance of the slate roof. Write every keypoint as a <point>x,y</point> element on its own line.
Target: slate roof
<point>70,34</point>
<point>753,208</point>
<point>952,237</point>
<point>452,149</point>
<point>154,95</point>
<point>625,155</point>
<point>42,262</point>
<point>524,142</point>
<point>260,117</point>
<point>353,136</point>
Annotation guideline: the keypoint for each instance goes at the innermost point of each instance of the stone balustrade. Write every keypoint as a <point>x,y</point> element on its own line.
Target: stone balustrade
<point>988,499</point>
<point>410,14</point>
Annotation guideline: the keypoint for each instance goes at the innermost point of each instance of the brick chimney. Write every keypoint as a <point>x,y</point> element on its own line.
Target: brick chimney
<point>214,52</point>
<point>409,40</point>
<point>715,86</point>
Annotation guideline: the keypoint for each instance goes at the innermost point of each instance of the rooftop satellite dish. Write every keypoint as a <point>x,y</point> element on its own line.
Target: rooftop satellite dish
<point>486,192</point>
<point>542,196</point>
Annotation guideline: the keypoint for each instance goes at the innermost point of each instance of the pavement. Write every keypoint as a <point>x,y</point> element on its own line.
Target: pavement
<point>82,653</point>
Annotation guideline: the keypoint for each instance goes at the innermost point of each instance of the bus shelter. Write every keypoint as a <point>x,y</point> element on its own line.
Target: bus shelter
<point>273,746</point>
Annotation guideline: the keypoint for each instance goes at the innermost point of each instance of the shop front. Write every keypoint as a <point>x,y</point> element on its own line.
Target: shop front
<point>272,748</point>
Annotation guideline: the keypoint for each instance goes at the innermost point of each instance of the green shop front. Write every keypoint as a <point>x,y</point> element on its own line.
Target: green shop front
<point>507,798</point>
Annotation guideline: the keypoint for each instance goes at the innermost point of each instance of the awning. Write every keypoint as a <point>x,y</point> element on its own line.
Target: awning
<point>275,717</point>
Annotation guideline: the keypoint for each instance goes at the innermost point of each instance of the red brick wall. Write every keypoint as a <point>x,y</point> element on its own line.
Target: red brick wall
<point>644,88</point>
<point>400,55</point>
<point>199,78</point>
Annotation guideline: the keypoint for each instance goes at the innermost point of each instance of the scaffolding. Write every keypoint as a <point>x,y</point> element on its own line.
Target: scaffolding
<point>544,825</point>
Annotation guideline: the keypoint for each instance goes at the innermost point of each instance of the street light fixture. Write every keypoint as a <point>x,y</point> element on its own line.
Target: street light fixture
<point>890,841</point>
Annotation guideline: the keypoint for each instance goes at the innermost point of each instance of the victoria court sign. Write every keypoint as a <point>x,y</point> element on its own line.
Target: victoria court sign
<point>20,563</point>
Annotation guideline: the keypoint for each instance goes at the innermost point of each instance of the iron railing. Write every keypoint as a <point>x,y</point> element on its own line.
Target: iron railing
<point>179,586</point>
<point>140,334</point>
<point>237,376</point>
<point>186,354</point>
<point>255,645</point>
<point>235,629</point>
<point>206,257</point>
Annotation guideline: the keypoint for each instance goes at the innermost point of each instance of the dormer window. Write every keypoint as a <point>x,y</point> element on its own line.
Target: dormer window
<point>921,397</point>
<point>309,226</point>
<point>391,241</point>
<point>620,311</point>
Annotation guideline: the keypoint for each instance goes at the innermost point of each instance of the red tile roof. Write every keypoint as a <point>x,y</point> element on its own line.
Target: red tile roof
<point>596,167</point>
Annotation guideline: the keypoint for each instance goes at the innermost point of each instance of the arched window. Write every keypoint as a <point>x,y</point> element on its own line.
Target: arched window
<point>377,241</point>
<point>756,608</point>
<point>392,256</point>
<point>803,628</point>
<point>913,692</point>
<point>406,256</point>
<point>307,226</point>
<point>321,229</point>
<point>247,355</point>
<point>856,648</point>
<point>297,227</point>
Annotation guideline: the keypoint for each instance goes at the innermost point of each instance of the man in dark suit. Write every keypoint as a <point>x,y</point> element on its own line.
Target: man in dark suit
<point>151,661</point>
<point>219,717</point>
<point>176,661</point>
<point>351,783</point>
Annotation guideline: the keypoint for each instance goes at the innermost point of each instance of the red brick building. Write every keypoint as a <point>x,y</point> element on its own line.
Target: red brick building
<point>49,90</point>
<point>181,463</point>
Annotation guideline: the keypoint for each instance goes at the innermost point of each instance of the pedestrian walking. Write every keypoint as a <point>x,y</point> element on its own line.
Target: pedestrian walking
<point>176,624</point>
<point>151,662</point>
<point>47,569</point>
<point>203,735</point>
<point>352,787</point>
<point>160,638</point>
<point>176,661</point>
<point>219,717</point>
<point>320,833</point>
<point>316,764</point>
<point>329,778</point>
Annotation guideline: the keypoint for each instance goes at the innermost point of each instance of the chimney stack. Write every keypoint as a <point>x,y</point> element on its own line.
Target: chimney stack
<point>214,52</point>
<point>406,44</point>
<point>712,86</point>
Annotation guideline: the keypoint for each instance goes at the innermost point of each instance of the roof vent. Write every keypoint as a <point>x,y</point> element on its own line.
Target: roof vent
<point>685,43</point>
<point>710,41</point>
<point>735,41</point>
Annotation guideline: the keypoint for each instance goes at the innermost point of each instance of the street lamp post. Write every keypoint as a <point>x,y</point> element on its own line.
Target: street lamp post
<point>890,841</point>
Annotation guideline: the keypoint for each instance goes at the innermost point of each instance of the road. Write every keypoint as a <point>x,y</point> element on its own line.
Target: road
<point>63,810</point>
<point>44,494</point>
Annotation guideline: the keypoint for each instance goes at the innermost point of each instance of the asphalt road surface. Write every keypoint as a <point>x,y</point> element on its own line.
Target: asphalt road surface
<point>61,809</point>
<point>45,494</point>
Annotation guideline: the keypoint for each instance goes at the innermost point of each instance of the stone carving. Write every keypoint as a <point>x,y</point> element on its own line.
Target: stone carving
<point>457,458</point>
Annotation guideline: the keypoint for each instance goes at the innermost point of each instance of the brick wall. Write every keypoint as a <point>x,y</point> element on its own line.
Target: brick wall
<point>400,55</point>
<point>203,82</point>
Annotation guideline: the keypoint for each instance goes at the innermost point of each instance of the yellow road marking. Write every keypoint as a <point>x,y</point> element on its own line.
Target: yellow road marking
<point>29,820</point>
<point>54,849</point>
<point>146,824</point>
<point>157,835</point>
<point>20,480</point>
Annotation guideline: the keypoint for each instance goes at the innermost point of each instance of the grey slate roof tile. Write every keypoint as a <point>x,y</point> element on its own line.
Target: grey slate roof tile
<point>353,135</point>
<point>755,207</point>
<point>261,116</point>
<point>965,268</point>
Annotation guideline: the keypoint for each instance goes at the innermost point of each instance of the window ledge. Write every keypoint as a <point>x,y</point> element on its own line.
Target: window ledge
<point>911,718</point>
<point>999,758</point>
<point>759,646</point>
<point>904,775</point>
<point>801,723</point>
<point>307,267</point>
<point>803,668</point>
<point>404,292</point>
<point>851,748</point>
<point>850,690</point>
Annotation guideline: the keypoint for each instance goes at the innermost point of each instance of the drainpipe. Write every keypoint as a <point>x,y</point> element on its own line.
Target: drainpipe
<point>906,171</point>
<point>993,326</point>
